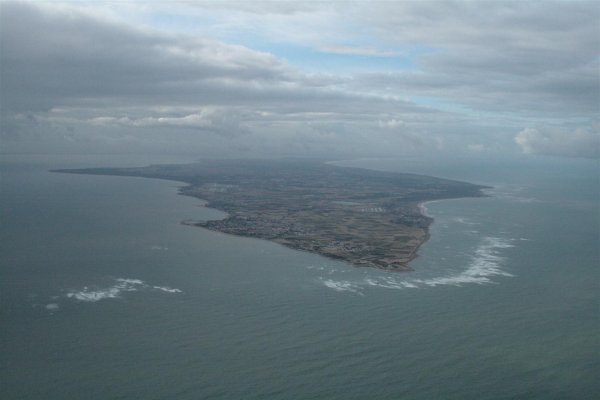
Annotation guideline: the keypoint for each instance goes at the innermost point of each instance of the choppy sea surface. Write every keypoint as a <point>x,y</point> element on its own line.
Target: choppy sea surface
<point>105,295</point>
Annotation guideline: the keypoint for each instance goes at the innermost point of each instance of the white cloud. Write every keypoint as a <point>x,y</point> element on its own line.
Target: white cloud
<point>577,143</point>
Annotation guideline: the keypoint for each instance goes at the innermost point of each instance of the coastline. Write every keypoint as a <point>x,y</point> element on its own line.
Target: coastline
<point>401,267</point>
<point>309,207</point>
<point>423,205</point>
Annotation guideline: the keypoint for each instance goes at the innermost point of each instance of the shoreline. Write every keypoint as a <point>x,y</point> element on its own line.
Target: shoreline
<point>381,224</point>
<point>400,267</point>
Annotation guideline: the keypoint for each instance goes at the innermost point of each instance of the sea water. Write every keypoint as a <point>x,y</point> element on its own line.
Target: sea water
<point>106,295</point>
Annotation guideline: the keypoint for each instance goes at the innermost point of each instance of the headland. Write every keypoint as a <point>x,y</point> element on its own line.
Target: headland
<point>364,217</point>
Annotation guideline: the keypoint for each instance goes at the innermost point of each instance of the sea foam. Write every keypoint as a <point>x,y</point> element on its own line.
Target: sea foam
<point>342,286</point>
<point>486,262</point>
<point>120,286</point>
<point>167,289</point>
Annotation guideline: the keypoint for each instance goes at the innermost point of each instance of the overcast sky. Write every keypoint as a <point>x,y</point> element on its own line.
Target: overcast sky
<point>351,78</point>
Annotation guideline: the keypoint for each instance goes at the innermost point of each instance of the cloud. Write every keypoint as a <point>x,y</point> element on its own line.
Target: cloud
<point>578,143</point>
<point>78,74</point>
<point>71,58</point>
<point>260,7</point>
<point>416,75</point>
<point>476,147</point>
<point>357,51</point>
<point>533,59</point>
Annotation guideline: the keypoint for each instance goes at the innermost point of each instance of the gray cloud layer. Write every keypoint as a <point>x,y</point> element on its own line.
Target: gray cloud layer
<point>70,58</point>
<point>74,79</point>
<point>531,58</point>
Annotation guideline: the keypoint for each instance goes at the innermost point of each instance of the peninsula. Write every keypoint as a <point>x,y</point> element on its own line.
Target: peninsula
<point>364,217</point>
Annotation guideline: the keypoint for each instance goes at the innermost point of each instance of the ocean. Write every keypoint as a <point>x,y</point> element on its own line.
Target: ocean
<point>104,294</point>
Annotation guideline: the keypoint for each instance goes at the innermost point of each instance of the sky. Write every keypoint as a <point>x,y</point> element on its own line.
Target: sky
<point>294,78</point>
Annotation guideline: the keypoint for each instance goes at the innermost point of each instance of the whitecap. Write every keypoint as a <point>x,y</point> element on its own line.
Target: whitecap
<point>130,282</point>
<point>390,283</point>
<point>95,295</point>
<point>167,289</point>
<point>486,262</point>
<point>464,221</point>
<point>52,307</point>
<point>115,291</point>
<point>342,286</point>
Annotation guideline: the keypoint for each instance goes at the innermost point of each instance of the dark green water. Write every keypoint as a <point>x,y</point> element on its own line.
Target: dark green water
<point>105,295</point>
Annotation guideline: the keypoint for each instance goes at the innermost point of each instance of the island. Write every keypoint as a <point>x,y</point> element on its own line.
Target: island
<point>364,217</point>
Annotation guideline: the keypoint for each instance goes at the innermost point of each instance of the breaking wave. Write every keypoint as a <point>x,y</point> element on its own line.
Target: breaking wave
<point>464,221</point>
<point>120,286</point>
<point>167,289</point>
<point>485,263</point>
<point>342,286</point>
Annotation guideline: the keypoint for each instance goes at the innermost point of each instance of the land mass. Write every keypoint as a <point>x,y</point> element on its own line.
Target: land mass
<point>364,217</point>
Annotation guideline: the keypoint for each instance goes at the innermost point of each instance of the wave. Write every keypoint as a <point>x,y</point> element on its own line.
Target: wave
<point>91,295</point>
<point>342,286</point>
<point>390,283</point>
<point>167,289</point>
<point>486,263</point>
<point>464,221</point>
<point>116,290</point>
